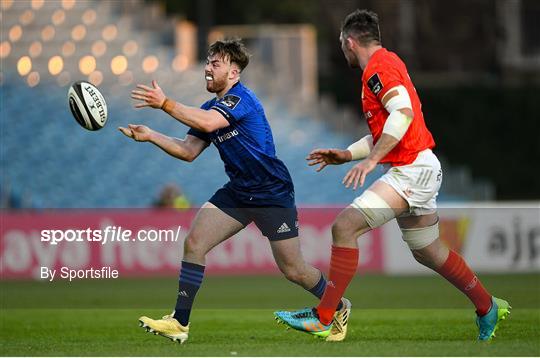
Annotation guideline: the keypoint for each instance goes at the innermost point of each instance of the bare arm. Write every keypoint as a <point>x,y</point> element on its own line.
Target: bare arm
<point>203,120</point>
<point>384,145</point>
<point>186,149</point>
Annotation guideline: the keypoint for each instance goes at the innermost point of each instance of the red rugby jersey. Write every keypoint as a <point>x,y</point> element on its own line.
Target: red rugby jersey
<point>384,71</point>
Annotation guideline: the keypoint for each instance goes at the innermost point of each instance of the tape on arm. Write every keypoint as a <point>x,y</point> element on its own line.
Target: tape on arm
<point>397,123</point>
<point>362,148</point>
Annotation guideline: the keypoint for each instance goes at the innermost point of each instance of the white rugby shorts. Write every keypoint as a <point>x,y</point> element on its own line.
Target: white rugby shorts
<point>418,183</point>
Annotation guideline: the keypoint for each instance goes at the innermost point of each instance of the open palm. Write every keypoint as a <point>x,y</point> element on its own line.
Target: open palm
<point>138,132</point>
<point>326,157</point>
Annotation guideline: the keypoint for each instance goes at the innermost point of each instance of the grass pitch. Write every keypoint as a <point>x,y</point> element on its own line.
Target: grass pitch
<point>392,316</point>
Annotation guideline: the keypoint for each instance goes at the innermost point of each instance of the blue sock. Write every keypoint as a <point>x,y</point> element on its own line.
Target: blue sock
<point>318,290</point>
<point>191,276</point>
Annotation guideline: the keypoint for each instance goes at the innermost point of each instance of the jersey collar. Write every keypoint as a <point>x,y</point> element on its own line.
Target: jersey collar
<point>233,86</point>
<point>378,53</point>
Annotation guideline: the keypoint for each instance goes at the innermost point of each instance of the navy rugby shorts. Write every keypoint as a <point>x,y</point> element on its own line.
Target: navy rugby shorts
<point>277,218</point>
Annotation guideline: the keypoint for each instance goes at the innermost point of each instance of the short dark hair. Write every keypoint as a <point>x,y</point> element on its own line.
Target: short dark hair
<point>363,25</point>
<point>231,49</point>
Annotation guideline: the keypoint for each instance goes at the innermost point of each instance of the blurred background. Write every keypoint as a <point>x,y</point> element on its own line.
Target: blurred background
<point>475,64</point>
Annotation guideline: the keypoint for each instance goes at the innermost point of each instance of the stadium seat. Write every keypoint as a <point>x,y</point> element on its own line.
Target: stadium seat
<point>72,167</point>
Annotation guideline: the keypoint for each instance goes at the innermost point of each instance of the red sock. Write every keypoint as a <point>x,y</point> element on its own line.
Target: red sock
<point>456,271</point>
<point>343,265</point>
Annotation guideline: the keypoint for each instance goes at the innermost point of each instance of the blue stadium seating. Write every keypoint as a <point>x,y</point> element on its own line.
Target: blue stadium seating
<point>47,154</point>
<point>49,161</point>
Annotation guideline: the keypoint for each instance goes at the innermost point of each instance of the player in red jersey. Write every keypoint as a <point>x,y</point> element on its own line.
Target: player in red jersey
<point>401,142</point>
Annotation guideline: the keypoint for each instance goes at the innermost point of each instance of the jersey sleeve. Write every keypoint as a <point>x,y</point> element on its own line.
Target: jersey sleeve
<point>199,134</point>
<point>382,79</point>
<point>233,107</point>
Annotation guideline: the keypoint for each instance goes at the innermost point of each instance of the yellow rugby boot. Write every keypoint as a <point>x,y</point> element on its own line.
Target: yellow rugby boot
<point>168,327</point>
<point>339,324</point>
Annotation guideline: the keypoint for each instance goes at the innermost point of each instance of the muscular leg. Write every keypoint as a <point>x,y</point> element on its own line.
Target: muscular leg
<point>348,226</point>
<point>290,261</point>
<point>351,222</point>
<point>448,264</point>
<point>210,227</point>
<point>433,255</point>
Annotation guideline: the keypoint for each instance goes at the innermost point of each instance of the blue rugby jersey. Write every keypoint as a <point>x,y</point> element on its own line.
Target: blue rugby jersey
<point>246,146</point>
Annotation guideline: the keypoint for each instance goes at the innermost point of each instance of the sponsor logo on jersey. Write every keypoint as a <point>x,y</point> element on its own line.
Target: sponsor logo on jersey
<point>226,136</point>
<point>230,101</point>
<point>374,83</point>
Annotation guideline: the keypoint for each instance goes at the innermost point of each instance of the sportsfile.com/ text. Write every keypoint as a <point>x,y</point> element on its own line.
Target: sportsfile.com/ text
<point>109,234</point>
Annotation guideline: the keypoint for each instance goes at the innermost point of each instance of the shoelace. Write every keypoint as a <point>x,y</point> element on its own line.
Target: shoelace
<point>305,314</point>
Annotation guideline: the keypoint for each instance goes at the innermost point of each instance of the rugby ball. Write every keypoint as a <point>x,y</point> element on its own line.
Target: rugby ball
<point>87,105</point>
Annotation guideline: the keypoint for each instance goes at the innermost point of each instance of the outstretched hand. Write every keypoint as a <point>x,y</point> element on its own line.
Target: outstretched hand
<point>149,96</point>
<point>326,157</point>
<point>357,174</point>
<point>137,132</point>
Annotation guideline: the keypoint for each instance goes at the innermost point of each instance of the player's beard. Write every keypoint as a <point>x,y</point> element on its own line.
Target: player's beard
<point>217,84</point>
<point>352,60</point>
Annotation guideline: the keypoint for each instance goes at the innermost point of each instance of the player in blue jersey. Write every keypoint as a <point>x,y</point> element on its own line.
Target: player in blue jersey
<point>260,189</point>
